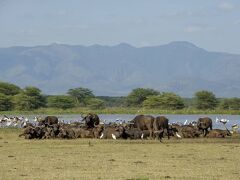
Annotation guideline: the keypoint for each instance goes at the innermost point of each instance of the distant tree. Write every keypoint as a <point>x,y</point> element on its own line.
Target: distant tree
<point>81,95</point>
<point>138,95</point>
<point>61,101</point>
<point>30,98</point>
<point>205,100</point>
<point>23,102</point>
<point>32,91</point>
<point>164,101</point>
<point>231,104</point>
<point>95,103</point>
<point>35,93</point>
<point>9,89</point>
<point>5,102</point>
<point>113,101</point>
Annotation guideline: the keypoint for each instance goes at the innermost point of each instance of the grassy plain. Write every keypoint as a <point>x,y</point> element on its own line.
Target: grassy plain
<point>120,110</point>
<point>120,159</point>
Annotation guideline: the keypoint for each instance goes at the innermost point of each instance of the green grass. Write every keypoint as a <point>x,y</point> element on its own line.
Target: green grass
<point>121,159</point>
<point>121,110</point>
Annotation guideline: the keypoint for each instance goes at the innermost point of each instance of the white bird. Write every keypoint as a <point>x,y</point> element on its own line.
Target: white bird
<point>193,123</point>
<point>185,122</point>
<point>224,121</point>
<point>21,118</point>
<point>9,123</point>
<point>101,136</point>
<point>114,137</point>
<point>15,124</point>
<point>142,136</point>
<point>235,127</point>
<point>35,119</point>
<point>24,123</point>
<point>178,135</point>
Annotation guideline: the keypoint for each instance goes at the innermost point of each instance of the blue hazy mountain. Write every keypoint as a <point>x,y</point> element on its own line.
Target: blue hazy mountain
<point>179,67</point>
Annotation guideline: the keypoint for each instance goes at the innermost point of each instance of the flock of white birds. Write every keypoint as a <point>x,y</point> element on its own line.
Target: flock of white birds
<point>16,122</point>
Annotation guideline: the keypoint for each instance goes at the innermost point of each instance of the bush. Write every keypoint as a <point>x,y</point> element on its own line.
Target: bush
<point>81,95</point>
<point>9,89</point>
<point>5,103</point>
<point>164,101</point>
<point>205,100</point>
<point>30,98</point>
<point>95,103</point>
<point>138,95</point>
<point>61,101</point>
<point>231,104</point>
<point>24,102</point>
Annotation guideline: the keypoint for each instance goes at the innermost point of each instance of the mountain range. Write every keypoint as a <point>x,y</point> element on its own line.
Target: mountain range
<point>180,67</point>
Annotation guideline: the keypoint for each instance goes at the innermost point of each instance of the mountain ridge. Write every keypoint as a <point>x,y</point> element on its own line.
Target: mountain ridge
<point>179,67</point>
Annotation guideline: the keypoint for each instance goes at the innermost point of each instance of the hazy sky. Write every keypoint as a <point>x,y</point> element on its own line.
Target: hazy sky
<point>210,24</point>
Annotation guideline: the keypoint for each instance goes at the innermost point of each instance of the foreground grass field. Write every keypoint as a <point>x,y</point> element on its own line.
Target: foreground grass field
<point>121,159</point>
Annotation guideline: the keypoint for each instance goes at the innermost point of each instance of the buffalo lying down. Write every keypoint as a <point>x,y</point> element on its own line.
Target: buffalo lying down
<point>218,133</point>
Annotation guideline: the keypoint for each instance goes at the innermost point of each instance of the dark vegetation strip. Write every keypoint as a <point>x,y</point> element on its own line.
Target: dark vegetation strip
<point>30,100</point>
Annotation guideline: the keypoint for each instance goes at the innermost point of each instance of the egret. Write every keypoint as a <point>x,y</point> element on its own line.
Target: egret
<point>178,135</point>
<point>114,137</point>
<point>101,136</point>
<point>26,120</point>
<point>35,119</point>
<point>185,122</point>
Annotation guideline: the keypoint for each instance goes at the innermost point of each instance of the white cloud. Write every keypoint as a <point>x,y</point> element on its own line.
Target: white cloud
<point>194,28</point>
<point>226,6</point>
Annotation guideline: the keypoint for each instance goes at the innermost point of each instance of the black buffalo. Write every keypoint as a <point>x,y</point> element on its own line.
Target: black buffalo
<point>144,122</point>
<point>91,120</point>
<point>187,131</point>
<point>159,125</point>
<point>203,124</point>
<point>48,121</point>
<point>218,133</point>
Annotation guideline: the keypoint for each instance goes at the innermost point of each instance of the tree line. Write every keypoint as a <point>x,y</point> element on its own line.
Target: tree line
<point>13,97</point>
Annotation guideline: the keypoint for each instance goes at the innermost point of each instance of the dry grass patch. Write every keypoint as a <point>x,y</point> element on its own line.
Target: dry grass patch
<point>121,159</point>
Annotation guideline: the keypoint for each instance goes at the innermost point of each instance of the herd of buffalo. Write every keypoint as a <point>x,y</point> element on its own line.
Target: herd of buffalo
<point>141,127</point>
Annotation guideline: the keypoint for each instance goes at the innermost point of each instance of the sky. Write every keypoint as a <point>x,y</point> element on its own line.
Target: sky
<point>211,24</point>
